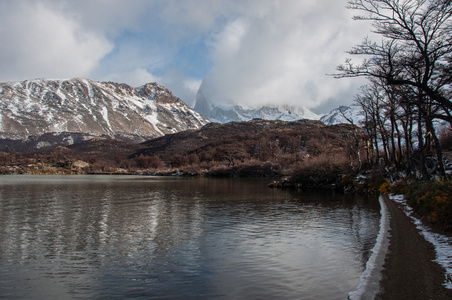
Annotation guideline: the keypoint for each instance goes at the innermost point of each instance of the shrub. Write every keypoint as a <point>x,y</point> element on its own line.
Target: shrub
<point>375,180</point>
<point>193,159</point>
<point>385,188</point>
<point>178,161</point>
<point>147,162</point>
<point>399,187</point>
<point>432,200</point>
<point>321,165</point>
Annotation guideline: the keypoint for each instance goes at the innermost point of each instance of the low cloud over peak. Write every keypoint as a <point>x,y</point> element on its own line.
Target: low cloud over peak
<point>281,55</point>
<point>252,52</point>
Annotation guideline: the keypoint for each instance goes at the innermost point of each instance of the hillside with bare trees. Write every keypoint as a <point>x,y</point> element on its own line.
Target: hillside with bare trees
<point>255,148</point>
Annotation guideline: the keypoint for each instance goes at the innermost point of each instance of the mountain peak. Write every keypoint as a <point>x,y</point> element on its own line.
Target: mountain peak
<point>343,115</point>
<point>80,105</point>
<point>228,113</point>
<point>157,92</point>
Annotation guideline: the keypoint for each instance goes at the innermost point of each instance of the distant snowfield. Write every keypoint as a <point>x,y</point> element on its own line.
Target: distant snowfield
<point>341,114</point>
<point>224,113</point>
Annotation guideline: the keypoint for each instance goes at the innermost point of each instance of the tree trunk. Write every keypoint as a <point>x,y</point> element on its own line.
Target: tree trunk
<point>392,134</point>
<point>399,144</point>
<point>377,150</point>
<point>422,169</point>
<point>439,153</point>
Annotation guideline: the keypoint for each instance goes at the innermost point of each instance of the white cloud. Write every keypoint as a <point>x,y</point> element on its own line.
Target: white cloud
<point>182,86</point>
<point>251,52</point>
<point>37,41</point>
<point>134,78</point>
<point>280,52</point>
<point>192,85</point>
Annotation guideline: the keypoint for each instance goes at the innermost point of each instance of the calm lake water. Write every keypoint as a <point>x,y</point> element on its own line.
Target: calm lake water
<point>179,238</point>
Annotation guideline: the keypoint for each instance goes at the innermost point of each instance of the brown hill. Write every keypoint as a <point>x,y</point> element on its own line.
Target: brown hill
<point>276,145</point>
<point>255,148</point>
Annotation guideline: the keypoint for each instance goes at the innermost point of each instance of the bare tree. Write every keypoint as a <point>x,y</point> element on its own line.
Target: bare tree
<point>415,50</point>
<point>410,71</point>
<point>354,144</point>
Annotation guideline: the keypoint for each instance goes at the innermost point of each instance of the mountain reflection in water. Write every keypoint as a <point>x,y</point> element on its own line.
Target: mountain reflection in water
<point>153,237</point>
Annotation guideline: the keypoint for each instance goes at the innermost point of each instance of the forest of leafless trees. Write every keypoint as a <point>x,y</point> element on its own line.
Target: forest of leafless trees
<point>406,104</point>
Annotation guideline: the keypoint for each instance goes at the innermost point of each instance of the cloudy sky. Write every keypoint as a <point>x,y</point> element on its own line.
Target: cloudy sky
<point>248,52</point>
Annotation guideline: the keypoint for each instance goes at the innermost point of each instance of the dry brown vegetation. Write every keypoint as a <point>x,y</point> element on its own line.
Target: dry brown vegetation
<point>303,149</point>
<point>258,148</point>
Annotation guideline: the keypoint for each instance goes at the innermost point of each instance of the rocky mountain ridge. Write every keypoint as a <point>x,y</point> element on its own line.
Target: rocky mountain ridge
<point>230,113</point>
<point>32,108</point>
<point>343,115</point>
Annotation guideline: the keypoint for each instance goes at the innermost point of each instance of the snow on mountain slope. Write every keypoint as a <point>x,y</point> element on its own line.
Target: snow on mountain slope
<point>336,116</point>
<point>238,113</point>
<point>35,107</point>
<point>228,113</point>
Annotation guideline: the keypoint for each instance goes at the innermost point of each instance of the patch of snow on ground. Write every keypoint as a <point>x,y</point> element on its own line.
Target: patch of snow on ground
<point>368,285</point>
<point>361,178</point>
<point>90,89</point>
<point>442,243</point>
<point>152,118</point>
<point>104,113</point>
<point>174,111</point>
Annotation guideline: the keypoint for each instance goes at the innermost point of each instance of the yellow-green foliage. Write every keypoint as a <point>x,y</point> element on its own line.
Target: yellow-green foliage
<point>433,200</point>
<point>399,187</point>
<point>375,181</point>
<point>385,188</point>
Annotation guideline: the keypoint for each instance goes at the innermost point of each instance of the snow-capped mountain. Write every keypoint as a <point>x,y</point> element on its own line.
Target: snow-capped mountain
<point>343,114</point>
<point>37,107</point>
<point>225,113</point>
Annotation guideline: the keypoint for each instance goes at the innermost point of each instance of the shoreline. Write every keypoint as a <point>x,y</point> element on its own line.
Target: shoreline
<point>369,283</point>
<point>409,270</point>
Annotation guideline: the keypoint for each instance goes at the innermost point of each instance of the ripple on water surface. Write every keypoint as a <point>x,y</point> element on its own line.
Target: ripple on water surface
<point>130,236</point>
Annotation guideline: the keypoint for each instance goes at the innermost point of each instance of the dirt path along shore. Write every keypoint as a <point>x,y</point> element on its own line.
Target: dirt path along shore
<point>409,271</point>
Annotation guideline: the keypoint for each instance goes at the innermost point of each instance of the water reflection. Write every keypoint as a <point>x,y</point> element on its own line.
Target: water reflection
<point>104,237</point>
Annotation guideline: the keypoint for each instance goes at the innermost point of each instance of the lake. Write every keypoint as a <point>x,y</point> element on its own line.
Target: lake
<point>104,237</point>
